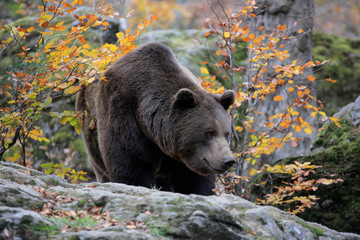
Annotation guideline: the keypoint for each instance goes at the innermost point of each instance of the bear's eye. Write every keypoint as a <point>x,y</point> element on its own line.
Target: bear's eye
<point>228,137</point>
<point>210,134</point>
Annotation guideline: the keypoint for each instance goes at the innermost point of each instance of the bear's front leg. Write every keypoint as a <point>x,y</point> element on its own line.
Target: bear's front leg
<point>189,182</point>
<point>129,157</point>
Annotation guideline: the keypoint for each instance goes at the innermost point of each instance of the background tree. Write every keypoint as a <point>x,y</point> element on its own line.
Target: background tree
<point>297,16</point>
<point>275,100</point>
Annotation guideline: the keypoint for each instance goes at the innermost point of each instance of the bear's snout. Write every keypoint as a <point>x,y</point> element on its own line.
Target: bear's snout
<point>228,162</point>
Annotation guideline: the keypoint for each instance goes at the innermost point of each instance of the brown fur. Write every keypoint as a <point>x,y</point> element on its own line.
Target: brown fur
<point>150,123</point>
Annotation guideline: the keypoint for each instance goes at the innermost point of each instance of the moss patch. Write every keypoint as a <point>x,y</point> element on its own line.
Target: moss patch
<point>344,55</point>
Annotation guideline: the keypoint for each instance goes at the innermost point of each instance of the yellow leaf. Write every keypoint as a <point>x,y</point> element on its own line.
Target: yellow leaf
<point>120,35</point>
<point>308,131</point>
<point>11,159</point>
<point>226,34</point>
<point>278,98</point>
<point>336,121</point>
<point>218,52</point>
<point>239,129</point>
<point>300,30</point>
<point>291,89</point>
<point>69,90</point>
<point>14,158</point>
<point>204,70</point>
<point>252,172</point>
<point>297,128</point>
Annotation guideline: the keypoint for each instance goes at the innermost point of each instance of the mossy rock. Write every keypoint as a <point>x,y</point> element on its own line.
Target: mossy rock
<point>344,66</point>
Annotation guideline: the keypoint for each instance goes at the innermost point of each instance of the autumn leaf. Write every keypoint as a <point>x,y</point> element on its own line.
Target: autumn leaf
<point>308,131</point>
<point>336,121</point>
<point>81,39</point>
<point>120,35</point>
<point>44,24</point>
<point>311,78</point>
<point>331,80</point>
<point>278,98</point>
<point>204,70</point>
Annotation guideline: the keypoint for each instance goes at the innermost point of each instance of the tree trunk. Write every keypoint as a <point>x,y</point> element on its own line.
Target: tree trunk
<point>296,14</point>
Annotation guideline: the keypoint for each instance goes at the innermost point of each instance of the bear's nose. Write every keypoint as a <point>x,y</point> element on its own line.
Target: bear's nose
<point>228,162</point>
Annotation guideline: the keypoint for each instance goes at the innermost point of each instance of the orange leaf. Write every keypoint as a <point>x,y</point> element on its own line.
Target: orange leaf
<point>81,39</point>
<point>261,28</point>
<point>297,128</point>
<point>251,36</point>
<point>311,78</point>
<point>300,94</point>
<point>21,29</point>
<point>300,30</point>
<point>66,5</point>
<point>44,24</point>
<point>331,80</point>
<point>278,98</point>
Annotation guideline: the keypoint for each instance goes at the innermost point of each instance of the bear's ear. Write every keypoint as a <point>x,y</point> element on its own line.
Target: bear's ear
<point>227,99</point>
<point>184,98</point>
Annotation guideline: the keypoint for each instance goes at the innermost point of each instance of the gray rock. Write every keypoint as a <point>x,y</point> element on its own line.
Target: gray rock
<point>18,223</point>
<point>259,216</point>
<point>17,195</point>
<point>111,233</point>
<point>161,215</point>
<point>354,116</point>
<point>295,231</point>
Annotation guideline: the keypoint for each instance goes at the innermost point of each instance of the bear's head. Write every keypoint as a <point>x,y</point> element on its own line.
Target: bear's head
<point>203,130</point>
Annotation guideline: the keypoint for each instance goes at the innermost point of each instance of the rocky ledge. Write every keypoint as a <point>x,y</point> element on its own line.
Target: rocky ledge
<point>38,206</point>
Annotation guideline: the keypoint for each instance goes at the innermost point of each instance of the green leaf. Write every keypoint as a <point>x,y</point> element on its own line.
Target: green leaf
<point>47,102</point>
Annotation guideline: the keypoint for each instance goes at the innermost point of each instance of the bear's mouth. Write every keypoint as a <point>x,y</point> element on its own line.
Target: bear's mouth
<point>216,170</point>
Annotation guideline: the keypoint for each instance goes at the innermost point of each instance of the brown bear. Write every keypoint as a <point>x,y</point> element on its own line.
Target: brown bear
<point>149,123</point>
